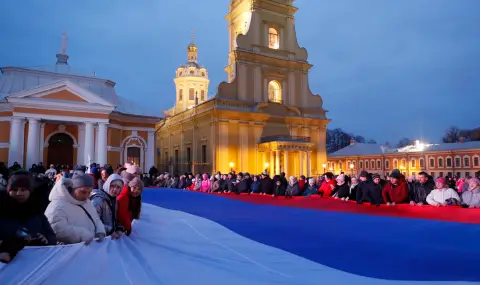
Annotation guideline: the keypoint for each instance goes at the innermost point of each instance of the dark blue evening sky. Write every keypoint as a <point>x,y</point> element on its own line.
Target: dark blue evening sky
<point>386,69</point>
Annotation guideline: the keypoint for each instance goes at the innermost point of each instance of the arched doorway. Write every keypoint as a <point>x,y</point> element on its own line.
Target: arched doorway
<point>60,149</point>
<point>133,155</point>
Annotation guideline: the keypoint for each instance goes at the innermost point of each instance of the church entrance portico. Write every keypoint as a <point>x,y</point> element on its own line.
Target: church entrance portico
<point>60,149</point>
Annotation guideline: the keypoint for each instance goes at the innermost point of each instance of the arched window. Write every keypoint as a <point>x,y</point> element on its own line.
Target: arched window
<point>413,163</point>
<point>372,163</point>
<point>466,161</point>
<point>180,95</point>
<point>274,92</point>
<point>202,95</point>
<point>366,164</point>
<point>360,164</point>
<point>203,73</point>
<point>273,39</point>
<point>379,164</point>
<point>422,163</point>
<point>192,72</point>
<point>340,165</point>
<point>387,164</point>
<point>432,162</point>
<point>440,162</point>
<point>395,163</point>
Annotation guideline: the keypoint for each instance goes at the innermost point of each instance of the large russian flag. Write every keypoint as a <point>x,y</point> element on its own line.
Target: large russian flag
<point>185,237</point>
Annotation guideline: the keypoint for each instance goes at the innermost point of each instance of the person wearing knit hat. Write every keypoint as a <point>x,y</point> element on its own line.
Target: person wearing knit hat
<point>342,190</point>
<point>396,190</point>
<point>363,173</point>
<point>135,170</point>
<point>439,196</point>
<point>130,203</point>
<point>70,213</point>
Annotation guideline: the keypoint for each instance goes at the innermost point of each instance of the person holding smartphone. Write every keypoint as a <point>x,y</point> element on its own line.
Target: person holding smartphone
<point>22,221</point>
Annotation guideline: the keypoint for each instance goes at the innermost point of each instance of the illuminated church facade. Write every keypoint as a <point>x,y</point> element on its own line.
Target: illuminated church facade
<point>263,118</point>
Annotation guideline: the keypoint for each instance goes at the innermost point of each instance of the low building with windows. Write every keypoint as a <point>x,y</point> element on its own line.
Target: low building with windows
<point>57,115</point>
<point>264,118</point>
<point>446,159</point>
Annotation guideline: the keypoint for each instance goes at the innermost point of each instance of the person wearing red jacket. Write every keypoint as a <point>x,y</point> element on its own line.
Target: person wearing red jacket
<point>328,185</point>
<point>395,191</point>
<point>130,203</point>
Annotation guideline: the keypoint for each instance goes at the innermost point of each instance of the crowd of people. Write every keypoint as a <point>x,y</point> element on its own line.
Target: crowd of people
<point>60,205</point>
<point>367,187</point>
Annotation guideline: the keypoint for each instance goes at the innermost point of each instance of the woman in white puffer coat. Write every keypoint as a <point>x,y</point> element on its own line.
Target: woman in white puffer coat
<point>71,214</point>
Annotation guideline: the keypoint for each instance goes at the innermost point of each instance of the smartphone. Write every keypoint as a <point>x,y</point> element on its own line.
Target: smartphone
<point>23,234</point>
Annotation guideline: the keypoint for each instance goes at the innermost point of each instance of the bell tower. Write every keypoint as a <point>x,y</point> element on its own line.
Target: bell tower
<point>265,62</point>
<point>191,82</point>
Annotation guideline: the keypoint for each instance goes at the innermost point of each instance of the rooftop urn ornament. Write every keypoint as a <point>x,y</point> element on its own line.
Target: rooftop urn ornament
<point>62,57</point>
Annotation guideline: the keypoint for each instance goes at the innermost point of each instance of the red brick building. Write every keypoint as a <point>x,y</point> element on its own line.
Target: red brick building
<point>438,160</point>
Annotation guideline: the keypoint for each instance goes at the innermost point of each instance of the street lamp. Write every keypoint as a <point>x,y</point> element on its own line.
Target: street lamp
<point>324,166</point>
<point>231,166</point>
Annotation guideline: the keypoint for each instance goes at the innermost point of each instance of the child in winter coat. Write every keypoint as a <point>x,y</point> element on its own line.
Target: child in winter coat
<point>130,204</point>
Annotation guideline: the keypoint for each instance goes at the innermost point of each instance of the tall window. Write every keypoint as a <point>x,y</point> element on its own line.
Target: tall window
<point>273,39</point>
<point>387,164</point>
<point>360,164</point>
<point>403,163</point>
<point>395,164</point>
<point>466,161</point>
<point>340,165</point>
<point>432,162</point>
<point>189,155</point>
<point>458,162</point>
<point>379,164</point>
<point>274,92</point>
<point>449,162</point>
<point>166,157</point>
<point>176,156</point>
<point>367,166</point>
<point>413,163</point>
<point>422,163</point>
<point>202,95</point>
<point>191,94</point>
<point>440,162</point>
<point>475,161</point>
<point>204,153</point>
<point>180,95</point>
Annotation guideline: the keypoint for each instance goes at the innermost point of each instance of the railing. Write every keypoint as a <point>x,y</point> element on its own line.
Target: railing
<point>284,139</point>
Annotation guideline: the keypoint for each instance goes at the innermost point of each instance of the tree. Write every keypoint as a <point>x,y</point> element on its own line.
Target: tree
<point>359,139</point>
<point>452,135</point>
<point>404,142</point>
<point>337,139</point>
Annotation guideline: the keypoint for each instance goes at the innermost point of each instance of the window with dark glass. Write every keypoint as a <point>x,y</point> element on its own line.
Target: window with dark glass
<point>191,94</point>
<point>180,95</point>
<point>449,162</point>
<point>204,153</point>
<point>202,95</point>
<point>189,158</point>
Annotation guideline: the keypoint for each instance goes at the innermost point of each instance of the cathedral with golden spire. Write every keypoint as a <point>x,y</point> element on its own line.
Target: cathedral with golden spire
<point>264,118</point>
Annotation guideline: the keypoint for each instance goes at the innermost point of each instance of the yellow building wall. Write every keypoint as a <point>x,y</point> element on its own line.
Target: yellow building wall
<point>114,137</point>
<point>113,158</point>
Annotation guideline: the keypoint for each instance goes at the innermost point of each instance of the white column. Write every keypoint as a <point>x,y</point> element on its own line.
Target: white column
<point>150,153</point>
<point>89,147</point>
<point>95,141</point>
<point>102,144</point>
<point>277,162</point>
<point>309,165</point>
<point>41,149</point>
<point>81,145</point>
<point>15,150</point>
<point>32,142</point>
<point>285,163</point>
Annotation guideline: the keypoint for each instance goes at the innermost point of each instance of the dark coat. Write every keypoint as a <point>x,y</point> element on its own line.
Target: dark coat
<point>418,192</point>
<point>293,190</point>
<point>266,186</point>
<point>310,190</point>
<point>27,217</point>
<point>342,191</point>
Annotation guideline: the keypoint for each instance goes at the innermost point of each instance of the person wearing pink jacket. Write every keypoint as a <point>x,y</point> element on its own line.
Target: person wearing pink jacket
<point>206,183</point>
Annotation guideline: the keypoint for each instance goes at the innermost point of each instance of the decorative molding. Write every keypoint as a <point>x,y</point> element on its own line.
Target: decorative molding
<point>60,130</point>
<point>114,148</point>
<point>61,118</point>
<point>139,129</point>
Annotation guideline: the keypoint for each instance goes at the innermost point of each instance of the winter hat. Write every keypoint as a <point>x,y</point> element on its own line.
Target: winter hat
<point>20,180</point>
<point>81,179</point>
<point>396,174</point>
<point>127,177</point>
<point>441,180</point>
<point>474,180</point>
<point>133,169</point>
<point>363,173</point>
<point>376,175</point>
<point>341,178</point>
